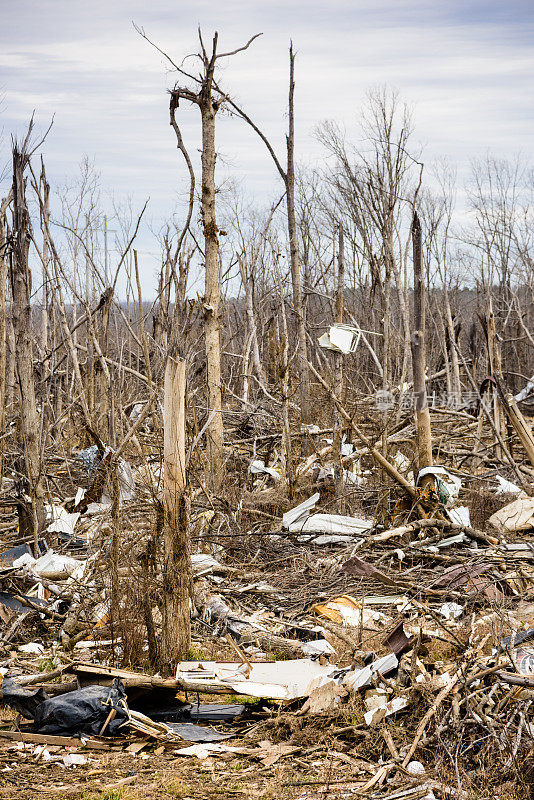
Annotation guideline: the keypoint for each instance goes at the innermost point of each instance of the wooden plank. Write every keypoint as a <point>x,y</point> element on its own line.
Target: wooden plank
<point>93,673</point>
<point>103,676</point>
<point>40,738</point>
<point>61,741</point>
<point>136,747</point>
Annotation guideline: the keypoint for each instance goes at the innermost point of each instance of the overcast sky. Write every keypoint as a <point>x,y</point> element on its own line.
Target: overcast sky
<point>466,67</point>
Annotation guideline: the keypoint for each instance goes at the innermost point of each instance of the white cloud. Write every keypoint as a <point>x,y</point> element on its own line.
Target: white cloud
<point>466,68</point>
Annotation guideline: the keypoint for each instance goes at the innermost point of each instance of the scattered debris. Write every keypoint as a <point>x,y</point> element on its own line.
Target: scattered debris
<point>516,516</point>
<point>341,338</point>
<point>391,628</point>
<point>278,680</point>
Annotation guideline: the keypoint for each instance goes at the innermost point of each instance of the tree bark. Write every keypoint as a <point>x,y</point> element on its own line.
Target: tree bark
<point>3,327</point>
<point>422,414</point>
<point>10,356</point>
<point>288,468</point>
<point>338,368</point>
<point>304,381</point>
<point>494,356</point>
<point>215,432</point>
<point>176,629</point>
<point>32,520</point>
<point>45,212</point>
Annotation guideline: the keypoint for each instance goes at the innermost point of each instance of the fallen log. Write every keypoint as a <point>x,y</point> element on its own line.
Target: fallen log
<point>516,680</point>
<point>32,680</point>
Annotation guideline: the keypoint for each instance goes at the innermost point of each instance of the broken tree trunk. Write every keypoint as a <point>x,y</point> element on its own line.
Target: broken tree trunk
<point>422,413</point>
<point>247,278</point>
<point>456,385</point>
<point>494,357</point>
<point>32,518</point>
<point>519,423</point>
<point>176,628</point>
<point>338,370</point>
<point>45,349</point>
<point>45,212</point>
<point>104,417</point>
<point>288,467</point>
<point>3,327</point>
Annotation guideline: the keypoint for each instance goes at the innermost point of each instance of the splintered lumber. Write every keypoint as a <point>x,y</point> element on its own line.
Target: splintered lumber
<point>95,673</point>
<point>61,741</point>
<point>89,674</point>
<point>521,427</point>
<point>148,727</point>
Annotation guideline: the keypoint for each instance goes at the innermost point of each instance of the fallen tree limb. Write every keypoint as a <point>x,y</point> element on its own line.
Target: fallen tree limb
<point>40,609</point>
<point>391,470</point>
<point>426,719</point>
<point>516,680</point>
<point>32,680</point>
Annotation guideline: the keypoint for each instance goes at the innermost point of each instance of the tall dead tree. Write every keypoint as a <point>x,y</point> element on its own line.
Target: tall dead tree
<point>288,177</point>
<point>45,212</point>
<point>304,382</point>
<point>370,182</point>
<point>47,372</point>
<point>208,109</point>
<point>422,414</point>
<point>31,517</point>
<point>3,327</point>
<point>209,100</point>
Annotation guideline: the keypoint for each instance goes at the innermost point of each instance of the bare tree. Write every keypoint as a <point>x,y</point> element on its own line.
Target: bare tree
<point>32,517</point>
<point>208,97</point>
<point>376,184</point>
<point>3,326</point>
<point>288,177</point>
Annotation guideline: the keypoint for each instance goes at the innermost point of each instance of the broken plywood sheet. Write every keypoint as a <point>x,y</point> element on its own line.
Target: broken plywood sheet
<point>516,516</point>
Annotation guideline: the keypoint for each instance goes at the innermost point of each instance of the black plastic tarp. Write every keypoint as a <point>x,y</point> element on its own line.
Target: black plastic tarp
<point>9,556</point>
<point>25,701</point>
<point>7,599</point>
<point>84,711</point>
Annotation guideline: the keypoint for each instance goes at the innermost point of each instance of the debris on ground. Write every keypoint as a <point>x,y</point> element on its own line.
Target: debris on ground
<point>369,640</point>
